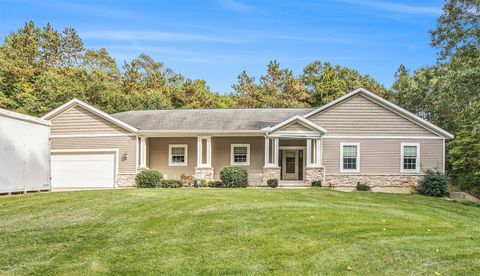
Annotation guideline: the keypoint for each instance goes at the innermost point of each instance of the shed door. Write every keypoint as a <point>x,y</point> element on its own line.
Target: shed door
<point>83,170</point>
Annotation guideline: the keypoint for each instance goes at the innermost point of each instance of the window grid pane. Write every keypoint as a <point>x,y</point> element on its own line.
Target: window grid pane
<point>240,154</point>
<point>349,163</point>
<point>178,155</point>
<point>349,157</point>
<point>349,151</point>
<point>409,157</point>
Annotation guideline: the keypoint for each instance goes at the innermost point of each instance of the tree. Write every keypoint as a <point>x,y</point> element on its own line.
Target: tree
<point>458,28</point>
<point>325,82</point>
<point>448,93</point>
<point>277,88</point>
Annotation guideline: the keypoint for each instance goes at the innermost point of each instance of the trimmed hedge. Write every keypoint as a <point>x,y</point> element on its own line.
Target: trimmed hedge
<point>171,183</point>
<point>272,183</point>
<point>234,177</point>
<point>215,184</point>
<point>433,183</point>
<point>148,178</point>
<point>363,186</point>
<point>317,183</point>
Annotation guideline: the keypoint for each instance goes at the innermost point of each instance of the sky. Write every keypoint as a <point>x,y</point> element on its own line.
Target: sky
<point>216,40</point>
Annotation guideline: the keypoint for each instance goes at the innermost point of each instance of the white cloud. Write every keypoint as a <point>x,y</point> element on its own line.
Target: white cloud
<point>395,7</point>
<point>150,36</point>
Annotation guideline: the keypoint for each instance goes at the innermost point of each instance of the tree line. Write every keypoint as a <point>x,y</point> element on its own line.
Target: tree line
<point>42,68</point>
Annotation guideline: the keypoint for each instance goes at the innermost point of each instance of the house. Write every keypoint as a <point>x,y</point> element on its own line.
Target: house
<point>358,137</point>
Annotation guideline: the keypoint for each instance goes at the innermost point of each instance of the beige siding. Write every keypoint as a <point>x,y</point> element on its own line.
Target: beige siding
<point>360,116</point>
<point>221,155</point>
<point>125,144</point>
<point>293,142</point>
<point>158,156</point>
<point>295,127</point>
<point>78,120</point>
<point>381,157</point>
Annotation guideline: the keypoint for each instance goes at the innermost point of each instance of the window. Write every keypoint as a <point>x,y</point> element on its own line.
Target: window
<point>349,157</point>
<point>410,157</point>
<point>177,155</point>
<point>240,154</point>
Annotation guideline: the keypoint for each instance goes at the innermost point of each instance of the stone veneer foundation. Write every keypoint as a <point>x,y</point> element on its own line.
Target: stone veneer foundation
<point>270,173</point>
<point>312,174</point>
<point>380,183</point>
<point>204,173</point>
<point>126,180</point>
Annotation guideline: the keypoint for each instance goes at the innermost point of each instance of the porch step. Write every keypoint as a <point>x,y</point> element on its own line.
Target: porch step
<point>292,184</point>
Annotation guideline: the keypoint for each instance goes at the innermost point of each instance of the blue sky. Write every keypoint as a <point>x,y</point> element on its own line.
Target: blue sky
<point>215,40</point>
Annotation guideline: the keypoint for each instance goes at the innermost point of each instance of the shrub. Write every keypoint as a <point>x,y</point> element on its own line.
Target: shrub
<point>215,184</point>
<point>272,183</point>
<point>203,183</point>
<point>234,177</point>
<point>171,183</point>
<point>433,183</point>
<point>148,178</point>
<point>363,186</point>
<point>187,180</point>
<point>317,183</point>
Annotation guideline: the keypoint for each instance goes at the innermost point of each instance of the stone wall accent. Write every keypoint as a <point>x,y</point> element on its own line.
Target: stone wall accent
<point>204,173</point>
<point>401,183</point>
<point>126,180</point>
<point>312,174</point>
<point>270,173</point>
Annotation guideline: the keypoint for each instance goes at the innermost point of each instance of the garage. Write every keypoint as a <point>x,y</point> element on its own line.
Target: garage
<point>83,169</point>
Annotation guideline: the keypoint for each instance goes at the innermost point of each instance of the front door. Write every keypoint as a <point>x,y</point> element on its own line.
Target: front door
<point>290,165</point>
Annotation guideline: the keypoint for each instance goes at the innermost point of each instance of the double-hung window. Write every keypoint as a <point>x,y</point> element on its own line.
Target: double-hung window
<point>240,154</point>
<point>410,157</point>
<point>178,155</point>
<point>349,157</point>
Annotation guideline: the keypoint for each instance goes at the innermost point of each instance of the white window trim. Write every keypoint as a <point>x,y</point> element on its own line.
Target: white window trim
<point>417,169</point>
<point>232,162</point>
<point>357,170</point>
<point>170,163</point>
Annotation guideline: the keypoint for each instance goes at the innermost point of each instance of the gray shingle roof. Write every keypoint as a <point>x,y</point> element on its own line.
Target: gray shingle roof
<point>207,119</point>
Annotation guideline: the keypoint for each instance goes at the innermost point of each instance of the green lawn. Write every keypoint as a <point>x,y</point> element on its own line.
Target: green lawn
<point>237,231</point>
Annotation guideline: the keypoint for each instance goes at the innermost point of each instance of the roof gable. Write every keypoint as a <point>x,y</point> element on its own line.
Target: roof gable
<point>296,124</point>
<point>387,106</point>
<point>96,114</point>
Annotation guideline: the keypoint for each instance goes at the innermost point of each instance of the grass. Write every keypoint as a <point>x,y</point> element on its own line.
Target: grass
<point>237,231</point>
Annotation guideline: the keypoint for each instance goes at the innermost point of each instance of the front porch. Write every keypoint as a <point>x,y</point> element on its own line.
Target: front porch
<point>294,161</point>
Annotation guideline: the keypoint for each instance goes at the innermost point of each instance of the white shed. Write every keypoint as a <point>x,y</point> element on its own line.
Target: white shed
<point>24,153</point>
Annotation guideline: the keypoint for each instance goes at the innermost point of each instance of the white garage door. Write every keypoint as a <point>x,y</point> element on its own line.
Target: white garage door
<point>83,170</point>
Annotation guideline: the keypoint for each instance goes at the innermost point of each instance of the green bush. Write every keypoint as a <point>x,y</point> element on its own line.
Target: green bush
<point>148,178</point>
<point>433,183</point>
<point>272,183</point>
<point>363,186</point>
<point>234,177</point>
<point>171,183</point>
<point>215,184</point>
<point>317,183</point>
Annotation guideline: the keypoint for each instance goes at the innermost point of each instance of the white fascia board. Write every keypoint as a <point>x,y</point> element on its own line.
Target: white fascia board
<point>196,133</point>
<point>23,117</point>
<point>389,105</point>
<point>57,111</point>
<point>296,119</point>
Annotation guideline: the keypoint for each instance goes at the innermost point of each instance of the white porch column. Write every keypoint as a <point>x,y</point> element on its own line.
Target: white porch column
<point>271,152</point>
<point>314,153</point>
<point>143,153</point>
<point>207,163</point>
<point>277,148</point>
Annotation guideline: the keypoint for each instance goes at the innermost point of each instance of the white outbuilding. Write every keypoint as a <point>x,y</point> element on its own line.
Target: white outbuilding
<point>24,153</point>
